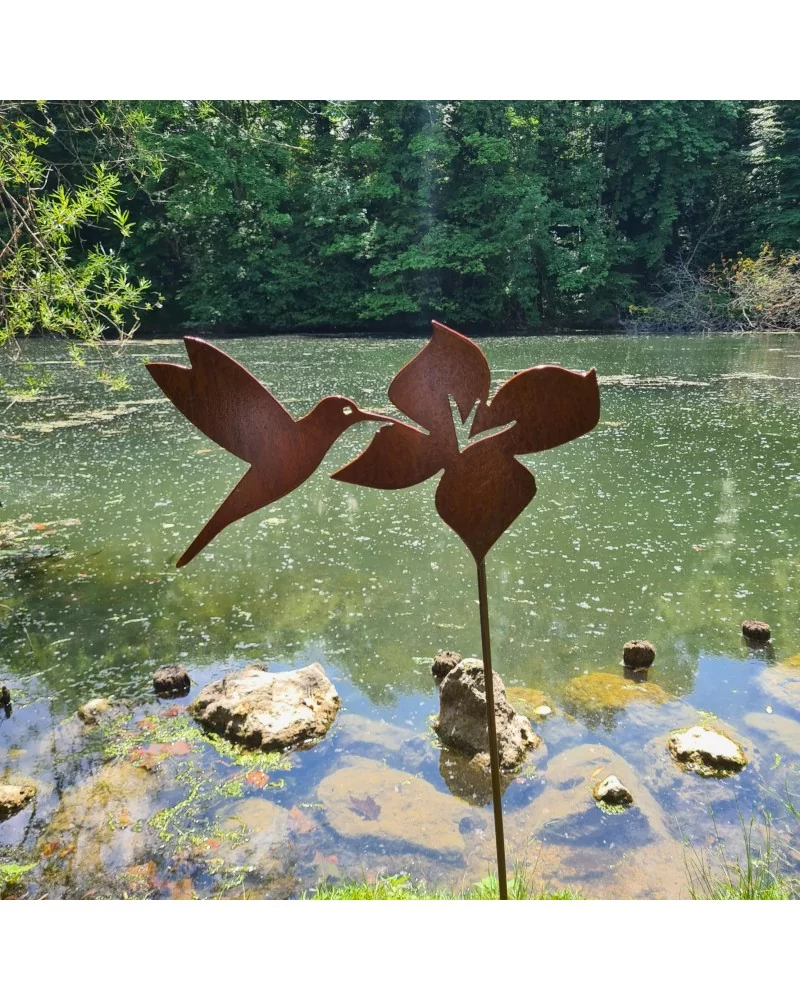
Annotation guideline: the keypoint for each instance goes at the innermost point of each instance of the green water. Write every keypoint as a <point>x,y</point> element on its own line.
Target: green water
<point>675,519</point>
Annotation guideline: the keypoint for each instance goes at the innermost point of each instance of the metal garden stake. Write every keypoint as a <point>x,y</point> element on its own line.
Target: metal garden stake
<point>482,491</point>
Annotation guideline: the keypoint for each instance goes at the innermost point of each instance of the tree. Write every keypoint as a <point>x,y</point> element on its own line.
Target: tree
<point>290,215</point>
<point>775,179</point>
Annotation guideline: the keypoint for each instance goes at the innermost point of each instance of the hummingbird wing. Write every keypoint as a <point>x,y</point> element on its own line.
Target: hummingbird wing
<point>230,406</point>
<point>223,400</point>
<point>248,494</point>
<point>549,406</point>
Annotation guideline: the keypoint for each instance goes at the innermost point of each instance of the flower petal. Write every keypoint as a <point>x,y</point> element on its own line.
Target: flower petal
<point>448,365</point>
<point>482,493</point>
<point>398,456</point>
<point>551,405</point>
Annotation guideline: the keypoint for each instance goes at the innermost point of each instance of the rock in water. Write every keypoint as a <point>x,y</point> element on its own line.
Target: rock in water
<point>443,663</point>
<point>374,734</point>
<point>598,697</point>
<point>365,799</point>
<point>706,751</point>
<point>612,792</point>
<point>263,829</point>
<point>461,723</point>
<point>569,780</point>
<point>269,711</point>
<point>14,798</point>
<point>101,824</point>
<point>171,680</point>
<point>90,713</point>
<point>638,653</point>
<point>756,631</point>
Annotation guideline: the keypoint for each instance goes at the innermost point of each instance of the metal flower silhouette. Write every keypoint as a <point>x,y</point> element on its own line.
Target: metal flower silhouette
<point>484,488</point>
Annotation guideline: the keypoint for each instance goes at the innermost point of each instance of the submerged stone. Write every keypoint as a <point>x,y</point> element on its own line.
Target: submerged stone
<point>462,720</point>
<point>99,825</point>
<point>706,751</point>
<point>261,829</point>
<point>603,695</point>
<point>365,799</point>
<point>529,701</point>
<point>269,711</point>
<point>570,780</point>
<point>91,712</point>
<point>14,798</point>
<point>782,682</point>
<point>358,730</point>
<point>611,791</point>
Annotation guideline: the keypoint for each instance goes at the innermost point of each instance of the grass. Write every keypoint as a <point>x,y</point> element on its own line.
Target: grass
<point>12,876</point>
<point>403,887</point>
<point>757,876</point>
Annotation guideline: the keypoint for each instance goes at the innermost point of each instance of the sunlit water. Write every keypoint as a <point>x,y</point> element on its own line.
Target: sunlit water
<point>677,518</point>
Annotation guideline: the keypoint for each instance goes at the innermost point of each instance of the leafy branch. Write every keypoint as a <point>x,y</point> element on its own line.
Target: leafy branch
<point>52,280</point>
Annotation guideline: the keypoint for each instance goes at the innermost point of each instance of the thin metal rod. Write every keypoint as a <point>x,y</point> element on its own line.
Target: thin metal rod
<point>494,756</point>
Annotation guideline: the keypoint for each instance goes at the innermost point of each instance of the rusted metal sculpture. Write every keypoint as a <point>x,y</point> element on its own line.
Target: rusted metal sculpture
<point>482,491</point>
<point>484,488</point>
<point>230,406</point>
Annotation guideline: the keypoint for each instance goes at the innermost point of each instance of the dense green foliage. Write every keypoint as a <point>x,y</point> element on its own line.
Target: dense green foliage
<point>367,214</point>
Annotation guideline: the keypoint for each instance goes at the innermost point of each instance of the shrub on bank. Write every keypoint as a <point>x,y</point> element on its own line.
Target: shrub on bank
<point>742,293</point>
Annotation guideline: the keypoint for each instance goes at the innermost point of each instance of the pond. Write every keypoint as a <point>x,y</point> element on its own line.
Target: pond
<point>677,518</point>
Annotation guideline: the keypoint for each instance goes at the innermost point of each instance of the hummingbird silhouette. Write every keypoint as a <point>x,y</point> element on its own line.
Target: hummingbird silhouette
<point>237,412</point>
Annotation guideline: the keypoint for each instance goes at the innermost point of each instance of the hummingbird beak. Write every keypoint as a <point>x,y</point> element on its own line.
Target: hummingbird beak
<point>367,415</point>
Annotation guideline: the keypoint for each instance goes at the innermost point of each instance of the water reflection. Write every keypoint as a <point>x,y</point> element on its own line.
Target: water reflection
<point>674,521</point>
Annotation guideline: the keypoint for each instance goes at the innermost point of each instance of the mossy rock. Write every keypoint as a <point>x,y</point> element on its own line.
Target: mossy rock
<point>602,696</point>
<point>706,751</point>
<point>14,798</point>
<point>98,825</point>
<point>527,700</point>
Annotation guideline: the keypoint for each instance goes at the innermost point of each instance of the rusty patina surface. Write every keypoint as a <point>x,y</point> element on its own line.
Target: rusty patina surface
<point>230,406</point>
<point>483,489</point>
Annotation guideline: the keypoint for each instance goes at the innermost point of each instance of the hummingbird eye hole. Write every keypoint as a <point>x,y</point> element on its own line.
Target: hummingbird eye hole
<point>347,410</point>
